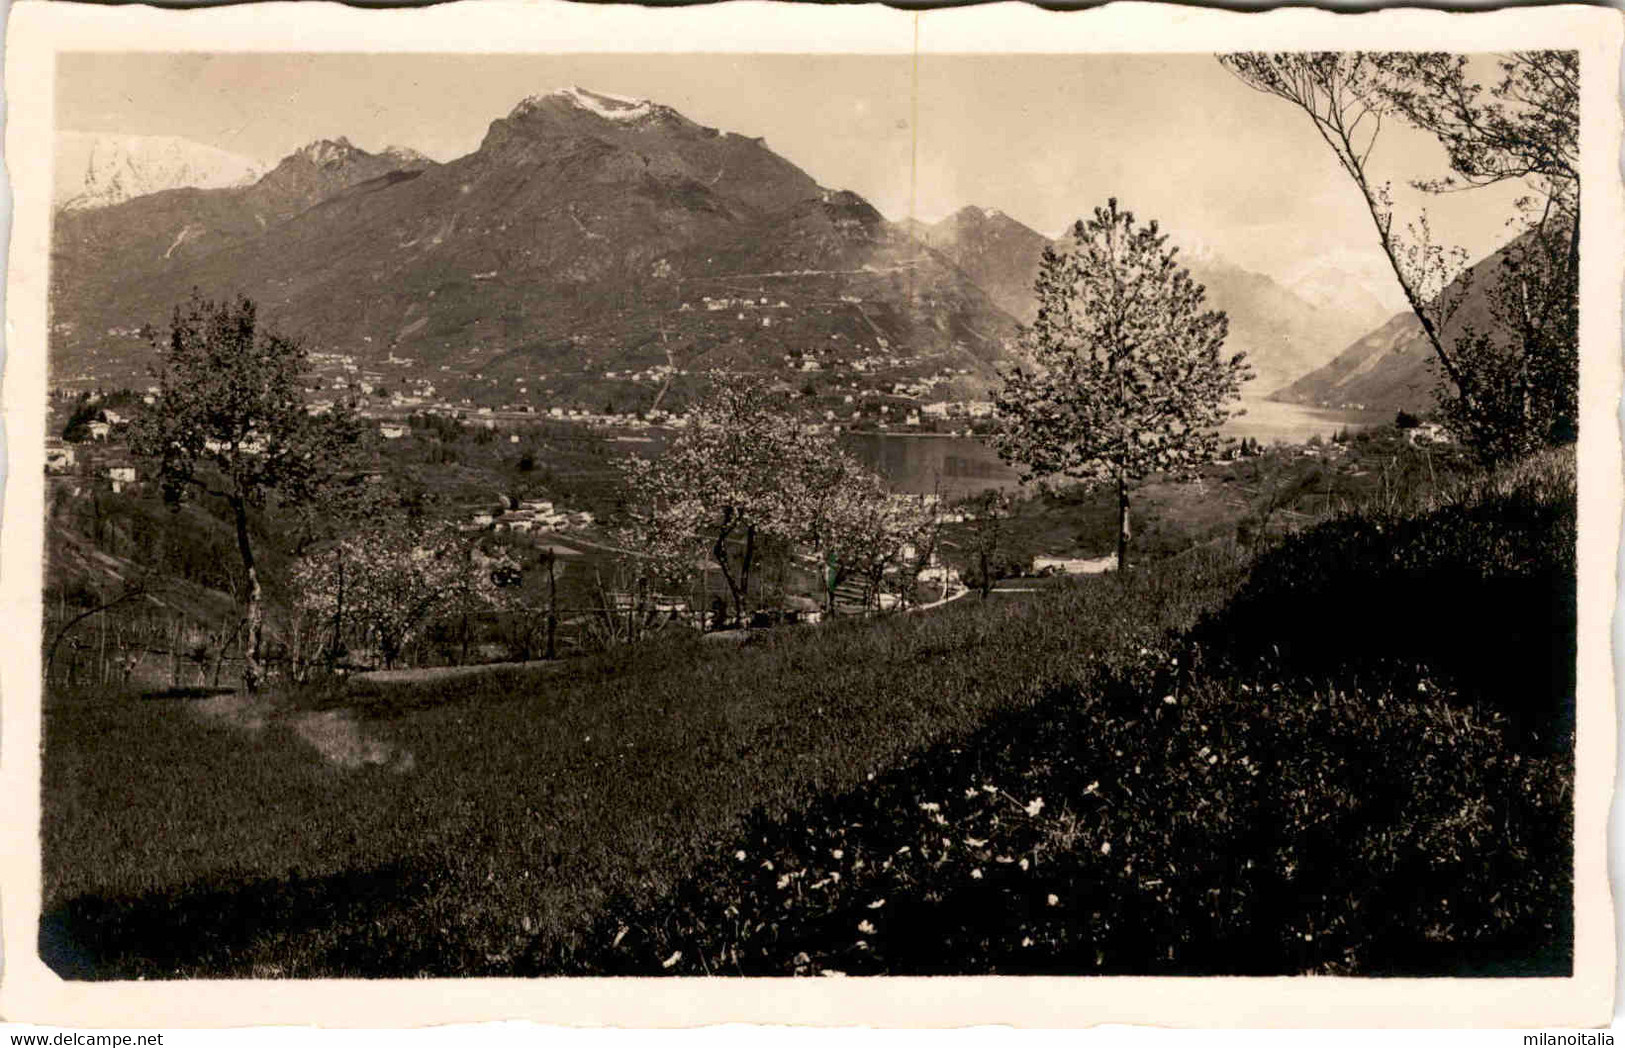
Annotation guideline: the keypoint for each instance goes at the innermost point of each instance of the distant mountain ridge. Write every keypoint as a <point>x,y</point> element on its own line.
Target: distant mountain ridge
<point>1392,368</point>
<point>1284,335</point>
<point>586,231</point>
<point>98,170</point>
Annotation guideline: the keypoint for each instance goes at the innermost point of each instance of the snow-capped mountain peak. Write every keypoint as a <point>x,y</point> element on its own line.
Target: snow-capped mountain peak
<point>405,154</point>
<point>610,107</point>
<point>97,170</point>
<point>614,108</point>
<point>326,151</point>
<point>1340,274</point>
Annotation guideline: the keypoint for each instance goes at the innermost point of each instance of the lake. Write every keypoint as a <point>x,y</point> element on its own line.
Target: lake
<point>960,466</point>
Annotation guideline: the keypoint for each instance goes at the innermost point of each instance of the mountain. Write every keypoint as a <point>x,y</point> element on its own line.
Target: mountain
<point>998,252</point>
<point>1391,368</point>
<point>586,233</point>
<point>1358,284</point>
<point>1386,370</point>
<point>1283,334</point>
<point>97,250</point>
<point>97,170</point>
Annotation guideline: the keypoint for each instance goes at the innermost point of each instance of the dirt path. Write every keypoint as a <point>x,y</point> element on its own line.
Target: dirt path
<point>432,673</point>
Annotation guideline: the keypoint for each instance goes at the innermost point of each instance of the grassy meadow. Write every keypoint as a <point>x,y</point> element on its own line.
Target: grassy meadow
<point>1284,755</point>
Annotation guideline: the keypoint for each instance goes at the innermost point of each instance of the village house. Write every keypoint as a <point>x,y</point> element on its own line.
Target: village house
<point>1074,565</point>
<point>1428,433</point>
<point>121,476</point>
<point>58,458</point>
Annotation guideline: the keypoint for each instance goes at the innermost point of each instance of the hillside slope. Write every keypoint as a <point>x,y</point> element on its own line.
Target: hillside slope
<point>586,232</point>
<point>1393,367</point>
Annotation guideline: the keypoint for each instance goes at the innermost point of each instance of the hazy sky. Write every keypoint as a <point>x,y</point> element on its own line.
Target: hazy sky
<point>1044,138</point>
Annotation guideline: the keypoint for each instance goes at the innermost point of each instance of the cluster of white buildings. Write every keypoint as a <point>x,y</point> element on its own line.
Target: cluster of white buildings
<point>958,409</point>
<point>657,373</point>
<point>531,515</point>
<point>717,305</point>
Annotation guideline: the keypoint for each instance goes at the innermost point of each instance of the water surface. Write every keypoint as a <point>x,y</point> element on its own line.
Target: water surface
<point>960,466</point>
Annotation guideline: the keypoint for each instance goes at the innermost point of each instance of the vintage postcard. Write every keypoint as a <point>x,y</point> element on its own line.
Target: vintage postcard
<point>787,514</point>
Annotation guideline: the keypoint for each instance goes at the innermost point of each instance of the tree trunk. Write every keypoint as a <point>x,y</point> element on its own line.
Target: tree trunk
<point>253,609</point>
<point>719,553</point>
<point>552,606</point>
<point>1122,522</point>
<point>338,622</point>
<point>744,574</point>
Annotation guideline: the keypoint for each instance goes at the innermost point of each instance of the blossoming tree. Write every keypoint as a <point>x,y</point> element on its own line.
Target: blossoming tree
<point>1127,377</point>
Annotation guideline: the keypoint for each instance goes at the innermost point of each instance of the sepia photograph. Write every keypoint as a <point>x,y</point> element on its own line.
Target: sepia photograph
<point>824,513</point>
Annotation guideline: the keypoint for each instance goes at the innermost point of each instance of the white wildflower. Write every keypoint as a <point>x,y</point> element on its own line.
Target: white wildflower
<point>1036,806</point>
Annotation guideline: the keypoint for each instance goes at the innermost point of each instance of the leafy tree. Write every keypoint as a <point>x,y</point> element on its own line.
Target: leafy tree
<point>857,529</point>
<point>229,421</point>
<point>729,480</point>
<point>1513,386</point>
<point>77,428</point>
<point>1343,93</point>
<point>1524,367</point>
<point>1524,127</point>
<point>1126,374</point>
<point>983,566</point>
<point>392,574</point>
